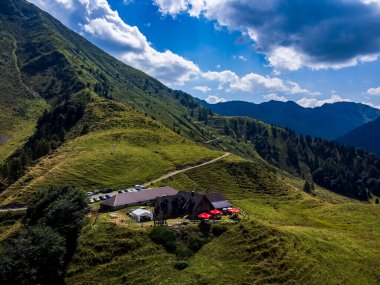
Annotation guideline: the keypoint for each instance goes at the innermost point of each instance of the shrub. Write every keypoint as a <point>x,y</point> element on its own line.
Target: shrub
<point>180,265</point>
<point>162,235</point>
<point>204,227</point>
<point>217,230</point>
<point>165,237</point>
<point>170,246</point>
<point>195,242</point>
<point>183,252</point>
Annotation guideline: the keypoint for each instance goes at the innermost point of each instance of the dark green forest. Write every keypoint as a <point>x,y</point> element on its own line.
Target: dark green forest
<point>40,252</point>
<point>345,170</point>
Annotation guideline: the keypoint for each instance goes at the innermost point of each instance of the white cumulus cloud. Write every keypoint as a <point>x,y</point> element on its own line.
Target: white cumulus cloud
<point>95,20</point>
<point>312,102</point>
<point>211,99</point>
<point>203,89</point>
<point>254,83</point>
<point>174,7</point>
<point>372,105</point>
<point>341,34</point>
<point>374,91</point>
<point>275,97</point>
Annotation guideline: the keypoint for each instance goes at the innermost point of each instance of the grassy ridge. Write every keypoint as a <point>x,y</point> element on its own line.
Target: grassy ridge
<point>290,237</point>
<point>55,62</point>
<point>133,258</point>
<point>21,127</point>
<point>123,148</point>
<point>19,106</point>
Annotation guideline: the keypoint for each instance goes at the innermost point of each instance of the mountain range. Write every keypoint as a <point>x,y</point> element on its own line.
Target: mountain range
<point>329,121</point>
<point>366,137</point>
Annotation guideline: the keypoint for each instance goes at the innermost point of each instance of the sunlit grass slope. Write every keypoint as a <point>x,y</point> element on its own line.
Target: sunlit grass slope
<point>10,224</point>
<point>122,147</point>
<point>290,237</point>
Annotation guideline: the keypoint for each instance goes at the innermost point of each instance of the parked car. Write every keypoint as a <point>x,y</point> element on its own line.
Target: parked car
<point>90,193</point>
<point>109,190</point>
<point>91,201</point>
<point>108,195</point>
<point>138,187</point>
<point>102,197</point>
<point>120,191</point>
<point>97,199</point>
<point>96,191</point>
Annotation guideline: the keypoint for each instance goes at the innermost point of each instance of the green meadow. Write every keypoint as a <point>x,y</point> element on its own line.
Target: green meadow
<point>290,237</point>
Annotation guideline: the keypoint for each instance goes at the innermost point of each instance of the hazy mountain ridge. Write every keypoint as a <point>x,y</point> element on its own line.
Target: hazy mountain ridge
<point>329,121</point>
<point>366,137</point>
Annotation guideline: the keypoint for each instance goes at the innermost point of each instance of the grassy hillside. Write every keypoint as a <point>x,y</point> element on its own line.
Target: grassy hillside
<point>19,106</point>
<point>60,68</point>
<point>122,147</point>
<point>55,63</point>
<point>10,224</point>
<point>290,237</point>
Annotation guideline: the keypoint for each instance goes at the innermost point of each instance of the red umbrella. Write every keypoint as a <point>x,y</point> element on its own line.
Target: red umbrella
<point>233,211</point>
<point>204,216</point>
<point>216,212</point>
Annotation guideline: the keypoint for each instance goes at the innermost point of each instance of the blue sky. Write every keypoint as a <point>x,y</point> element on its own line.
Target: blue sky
<point>312,52</point>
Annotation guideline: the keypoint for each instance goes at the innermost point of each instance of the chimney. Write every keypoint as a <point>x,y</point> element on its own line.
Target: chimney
<point>192,193</point>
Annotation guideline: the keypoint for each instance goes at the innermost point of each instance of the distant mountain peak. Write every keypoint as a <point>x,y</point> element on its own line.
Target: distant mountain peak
<point>328,121</point>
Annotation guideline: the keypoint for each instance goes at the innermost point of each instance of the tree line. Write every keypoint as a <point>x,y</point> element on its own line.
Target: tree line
<point>40,252</point>
<point>52,129</point>
<point>345,170</point>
